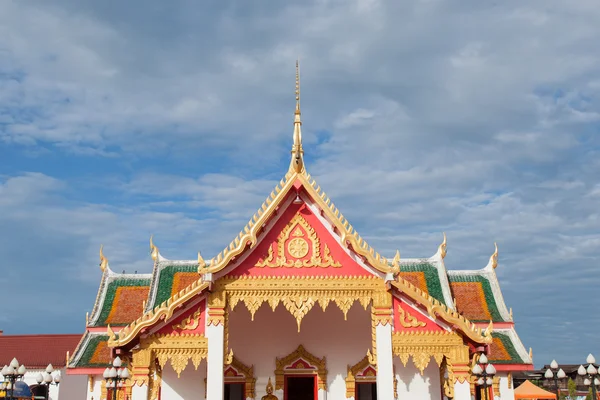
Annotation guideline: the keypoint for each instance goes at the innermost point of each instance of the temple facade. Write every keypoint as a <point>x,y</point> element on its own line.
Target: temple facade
<point>299,307</point>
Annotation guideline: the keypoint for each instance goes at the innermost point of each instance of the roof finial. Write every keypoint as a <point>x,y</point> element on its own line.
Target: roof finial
<point>297,162</point>
<point>103,260</point>
<point>442,247</point>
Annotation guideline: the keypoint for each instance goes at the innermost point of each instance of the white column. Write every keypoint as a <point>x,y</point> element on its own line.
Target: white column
<point>462,391</point>
<point>139,392</point>
<point>214,373</point>
<point>385,362</point>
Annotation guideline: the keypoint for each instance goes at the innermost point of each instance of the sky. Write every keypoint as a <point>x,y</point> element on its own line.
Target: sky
<point>119,120</point>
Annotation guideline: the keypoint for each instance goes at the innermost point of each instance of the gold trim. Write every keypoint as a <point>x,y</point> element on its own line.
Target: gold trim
<point>421,346</point>
<point>407,320</point>
<point>318,367</point>
<point>299,294</point>
<point>352,376</point>
<point>494,257</point>
<point>293,229</point>
<point>178,349</point>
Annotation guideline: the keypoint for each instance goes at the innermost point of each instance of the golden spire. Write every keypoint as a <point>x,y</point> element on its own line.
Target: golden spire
<point>297,162</point>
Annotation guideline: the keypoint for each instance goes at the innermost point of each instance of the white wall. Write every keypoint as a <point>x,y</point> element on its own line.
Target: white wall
<point>71,386</point>
<point>414,386</point>
<point>275,334</point>
<point>505,392</point>
<point>190,385</point>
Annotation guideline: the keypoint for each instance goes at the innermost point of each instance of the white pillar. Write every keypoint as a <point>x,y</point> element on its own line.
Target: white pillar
<point>462,391</point>
<point>385,362</point>
<point>214,373</point>
<point>139,392</point>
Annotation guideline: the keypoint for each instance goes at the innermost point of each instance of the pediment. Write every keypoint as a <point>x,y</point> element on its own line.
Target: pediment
<point>299,242</point>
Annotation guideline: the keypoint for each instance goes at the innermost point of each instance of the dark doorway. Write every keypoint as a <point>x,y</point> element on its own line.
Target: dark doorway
<point>234,391</point>
<point>366,391</point>
<point>300,388</point>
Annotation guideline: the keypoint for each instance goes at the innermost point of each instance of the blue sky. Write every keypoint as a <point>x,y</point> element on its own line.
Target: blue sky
<point>119,120</point>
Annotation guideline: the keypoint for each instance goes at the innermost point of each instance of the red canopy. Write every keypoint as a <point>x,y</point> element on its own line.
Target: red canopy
<point>529,391</point>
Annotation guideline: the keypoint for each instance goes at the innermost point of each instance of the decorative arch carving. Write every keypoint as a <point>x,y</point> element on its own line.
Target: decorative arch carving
<point>239,372</point>
<point>301,362</point>
<point>362,371</point>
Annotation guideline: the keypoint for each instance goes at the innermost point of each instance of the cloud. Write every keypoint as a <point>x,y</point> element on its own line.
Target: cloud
<point>476,119</point>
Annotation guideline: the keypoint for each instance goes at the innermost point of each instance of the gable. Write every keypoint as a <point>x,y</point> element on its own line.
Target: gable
<point>409,318</point>
<point>297,243</point>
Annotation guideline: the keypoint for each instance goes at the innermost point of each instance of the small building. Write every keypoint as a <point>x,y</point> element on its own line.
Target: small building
<point>35,352</point>
<point>299,306</point>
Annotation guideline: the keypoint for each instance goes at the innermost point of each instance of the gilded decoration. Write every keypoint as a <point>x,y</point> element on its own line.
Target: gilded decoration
<point>189,323</point>
<point>407,320</point>
<point>155,382</point>
<point>237,371</point>
<point>269,390</point>
<point>299,294</point>
<point>177,349</point>
<point>294,238</point>
<point>421,346</point>
<point>436,308</point>
<point>302,362</point>
<point>362,371</point>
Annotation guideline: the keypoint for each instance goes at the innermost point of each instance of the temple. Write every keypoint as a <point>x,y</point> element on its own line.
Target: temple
<point>299,307</point>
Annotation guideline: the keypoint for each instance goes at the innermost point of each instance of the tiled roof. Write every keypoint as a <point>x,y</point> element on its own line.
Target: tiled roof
<point>92,352</point>
<point>37,351</point>
<point>120,298</point>
<point>170,277</point>
<point>507,348</point>
<point>478,296</point>
<point>424,274</point>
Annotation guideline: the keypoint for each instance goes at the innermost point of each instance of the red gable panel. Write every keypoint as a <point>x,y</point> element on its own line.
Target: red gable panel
<point>294,244</point>
<point>406,318</point>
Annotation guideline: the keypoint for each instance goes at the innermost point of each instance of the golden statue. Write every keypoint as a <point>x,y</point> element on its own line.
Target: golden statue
<point>269,395</point>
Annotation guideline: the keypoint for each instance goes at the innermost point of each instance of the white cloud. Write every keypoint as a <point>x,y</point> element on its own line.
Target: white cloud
<point>419,117</point>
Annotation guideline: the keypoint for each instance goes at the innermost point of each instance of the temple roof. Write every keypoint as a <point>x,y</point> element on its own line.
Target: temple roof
<point>477,293</point>
<point>92,352</point>
<point>168,278</point>
<point>460,297</point>
<point>507,348</point>
<point>120,298</point>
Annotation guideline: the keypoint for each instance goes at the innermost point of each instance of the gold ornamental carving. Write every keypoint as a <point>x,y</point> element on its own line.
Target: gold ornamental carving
<point>298,247</point>
<point>421,346</point>
<point>294,235</point>
<point>189,323</point>
<point>311,365</point>
<point>155,382</point>
<point>407,320</point>
<point>356,373</point>
<point>177,349</point>
<point>299,294</point>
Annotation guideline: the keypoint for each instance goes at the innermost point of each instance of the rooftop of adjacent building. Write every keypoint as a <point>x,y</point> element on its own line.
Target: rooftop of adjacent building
<point>37,351</point>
